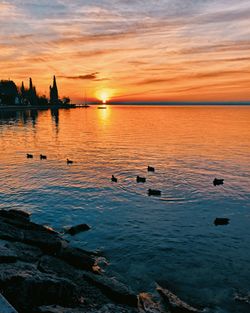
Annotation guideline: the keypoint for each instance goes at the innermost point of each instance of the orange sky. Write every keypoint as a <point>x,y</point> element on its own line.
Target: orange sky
<point>192,50</point>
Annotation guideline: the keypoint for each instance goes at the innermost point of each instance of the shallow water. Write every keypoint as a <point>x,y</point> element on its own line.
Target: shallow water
<point>171,238</point>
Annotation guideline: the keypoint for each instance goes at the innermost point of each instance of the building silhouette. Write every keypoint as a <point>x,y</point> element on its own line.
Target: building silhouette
<point>8,93</point>
<point>54,92</point>
<point>11,95</point>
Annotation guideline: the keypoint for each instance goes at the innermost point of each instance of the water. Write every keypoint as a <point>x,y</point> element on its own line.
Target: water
<point>170,239</point>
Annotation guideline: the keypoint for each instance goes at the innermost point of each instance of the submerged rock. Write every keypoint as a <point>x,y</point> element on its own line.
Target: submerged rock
<point>77,229</point>
<point>245,298</point>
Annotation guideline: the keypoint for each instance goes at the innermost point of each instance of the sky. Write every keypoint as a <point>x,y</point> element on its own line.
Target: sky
<point>129,50</point>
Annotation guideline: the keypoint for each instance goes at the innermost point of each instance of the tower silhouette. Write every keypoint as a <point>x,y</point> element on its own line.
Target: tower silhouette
<point>32,97</point>
<point>54,92</point>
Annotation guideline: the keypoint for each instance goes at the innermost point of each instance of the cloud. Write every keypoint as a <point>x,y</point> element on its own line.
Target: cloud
<point>133,43</point>
<point>92,76</point>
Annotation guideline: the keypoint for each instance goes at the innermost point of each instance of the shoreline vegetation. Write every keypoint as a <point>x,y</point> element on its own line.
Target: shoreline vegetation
<point>40,272</point>
<point>36,107</point>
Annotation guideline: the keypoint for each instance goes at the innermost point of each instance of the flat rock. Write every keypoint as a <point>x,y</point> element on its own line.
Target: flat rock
<point>77,258</point>
<point>15,214</point>
<point>113,289</point>
<point>24,252</point>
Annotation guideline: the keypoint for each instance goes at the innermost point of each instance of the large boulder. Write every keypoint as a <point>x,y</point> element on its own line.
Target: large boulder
<point>26,287</point>
<point>19,229</point>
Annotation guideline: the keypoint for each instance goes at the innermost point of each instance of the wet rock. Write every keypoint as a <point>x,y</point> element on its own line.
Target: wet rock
<point>40,269</point>
<point>221,221</point>
<point>22,230</point>
<point>175,304</point>
<point>108,308</point>
<point>146,304</point>
<point>112,308</point>
<point>25,224</point>
<point>245,298</point>
<point>47,242</point>
<point>20,214</point>
<point>52,265</point>
<point>7,255</point>
<point>9,232</point>
<point>25,252</point>
<point>36,288</point>
<point>5,306</point>
<point>77,258</point>
<point>15,214</point>
<point>77,229</point>
<point>58,309</point>
<point>113,289</point>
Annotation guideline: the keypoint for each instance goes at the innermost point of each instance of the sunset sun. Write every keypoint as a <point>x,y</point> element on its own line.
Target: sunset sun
<point>104,95</point>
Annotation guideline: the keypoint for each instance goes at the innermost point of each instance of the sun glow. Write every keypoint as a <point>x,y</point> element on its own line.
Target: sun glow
<point>104,95</point>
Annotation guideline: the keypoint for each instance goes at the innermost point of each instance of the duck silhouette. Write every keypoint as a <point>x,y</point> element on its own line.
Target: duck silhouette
<point>218,182</point>
<point>140,179</point>
<point>69,161</point>
<point>29,156</point>
<point>151,169</point>
<point>114,179</point>
<point>154,192</point>
<point>43,157</point>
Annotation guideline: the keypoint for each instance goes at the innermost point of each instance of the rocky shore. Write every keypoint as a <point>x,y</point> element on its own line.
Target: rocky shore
<point>40,272</point>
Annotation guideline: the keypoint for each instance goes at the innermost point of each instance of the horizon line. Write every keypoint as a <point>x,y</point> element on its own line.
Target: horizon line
<point>172,103</point>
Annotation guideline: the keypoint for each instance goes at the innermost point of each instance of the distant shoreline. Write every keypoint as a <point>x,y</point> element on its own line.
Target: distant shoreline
<point>150,104</point>
<point>36,107</point>
<point>184,103</point>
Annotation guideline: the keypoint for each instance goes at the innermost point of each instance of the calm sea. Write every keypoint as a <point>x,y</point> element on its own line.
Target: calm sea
<point>171,239</point>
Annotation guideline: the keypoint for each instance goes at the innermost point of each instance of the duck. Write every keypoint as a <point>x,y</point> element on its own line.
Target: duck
<point>154,192</point>
<point>217,182</point>
<point>221,221</point>
<point>29,156</point>
<point>69,161</point>
<point>151,169</point>
<point>114,179</point>
<point>43,157</point>
<point>140,179</point>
